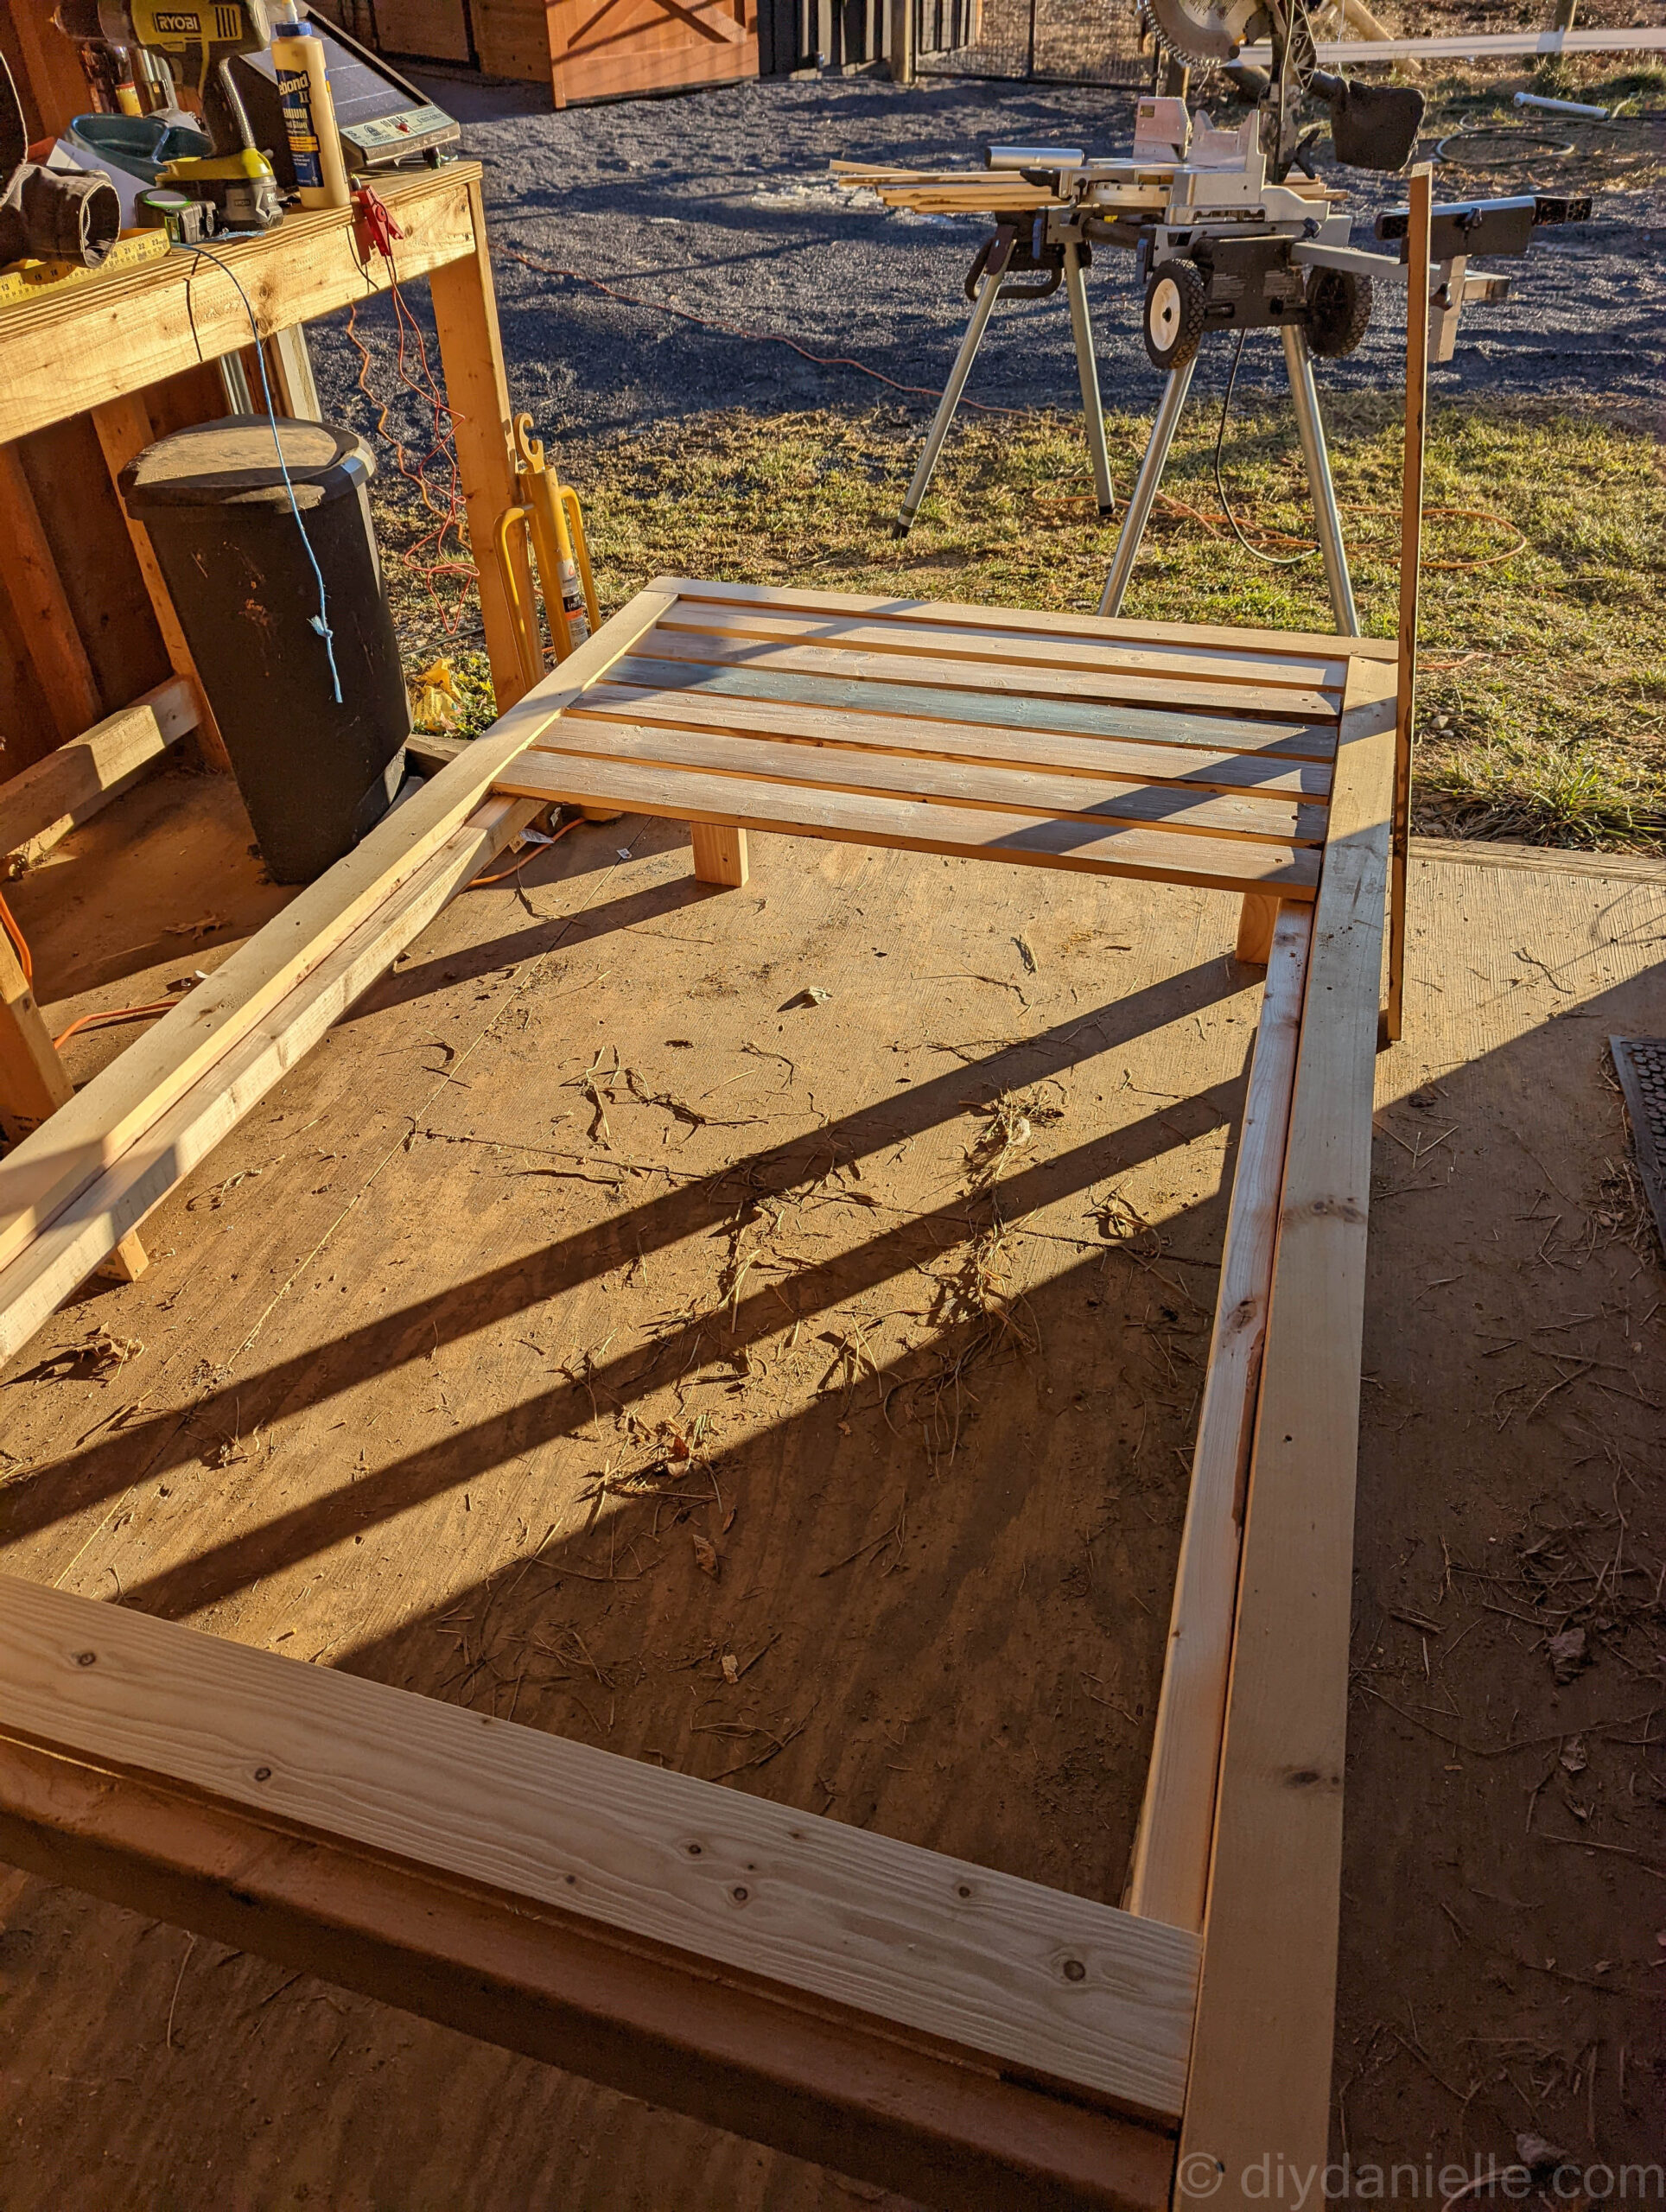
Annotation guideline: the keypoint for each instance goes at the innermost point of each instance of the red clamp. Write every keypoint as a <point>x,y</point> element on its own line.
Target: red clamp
<point>373,227</point>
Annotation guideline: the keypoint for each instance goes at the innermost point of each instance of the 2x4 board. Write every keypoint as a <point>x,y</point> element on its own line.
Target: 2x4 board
<point>957,2034</point>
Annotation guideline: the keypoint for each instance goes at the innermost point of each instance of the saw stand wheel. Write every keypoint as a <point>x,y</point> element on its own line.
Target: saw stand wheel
<point>1174,302</point>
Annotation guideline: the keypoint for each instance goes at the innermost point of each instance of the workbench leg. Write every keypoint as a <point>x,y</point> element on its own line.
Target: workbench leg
<point>477,392</point>
<point>33,1082</point>
<point>49,636</point>
<point>124,429</point>
<point>720,854</point>
<point>1257,919</point>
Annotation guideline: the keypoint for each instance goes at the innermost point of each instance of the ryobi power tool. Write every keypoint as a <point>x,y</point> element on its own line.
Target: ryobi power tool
<point>198,41</point>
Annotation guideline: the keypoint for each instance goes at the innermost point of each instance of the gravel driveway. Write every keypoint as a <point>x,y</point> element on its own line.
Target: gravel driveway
<point>720,203</point>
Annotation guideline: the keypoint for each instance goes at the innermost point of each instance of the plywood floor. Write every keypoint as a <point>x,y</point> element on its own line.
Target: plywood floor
<point>923,1293</point>
<point>601,1314</point>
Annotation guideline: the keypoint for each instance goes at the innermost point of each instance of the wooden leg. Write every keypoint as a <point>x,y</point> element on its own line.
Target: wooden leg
<point>719,853</point>
<point>1256,921</point>
<point>50,637</point>
<point>32,1083</point>
<point>471,352</point>
<point>1411,550</point>
<point>125,428</point>
<point>127,1262</point>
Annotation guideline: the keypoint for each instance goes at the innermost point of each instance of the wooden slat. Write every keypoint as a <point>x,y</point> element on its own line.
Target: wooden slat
<point>141,1174</point>
<point>1217,864</point>
<point>1171,1854</point>
<point>1020,649</point>
<point>1131,760</point>
<point>1320,646</point>
<point>948,669</point>
<point>47,1171</point>
<point>60,357</point>
<point>947,782</point>
<point>808,2078</point>
<point>1260,2084</point>
<point>1077,1992</point>
<point>791,674</point>
<point>47,800</point>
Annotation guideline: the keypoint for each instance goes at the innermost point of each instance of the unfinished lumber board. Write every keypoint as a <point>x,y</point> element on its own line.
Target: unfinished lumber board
<point>1420,192</point>
<point>36,1283</point>
<point>1074,1991</point>
<point>679,665</point>
<point>34,1083</point>
<point>68,786</point>
<point>1322,646</point>
<point>812,2080</point>
<point>1260,2081</point>
<point>62,355</point>
<point>124,429</point>
<point>51,1168</point>
<point>1171,1853</point>
<point>1043,678</point>
<point>754,756</point>
<point>44,620</point>
<point>914,825</point>
<point>1133,761</point>
<point>1011,648</point>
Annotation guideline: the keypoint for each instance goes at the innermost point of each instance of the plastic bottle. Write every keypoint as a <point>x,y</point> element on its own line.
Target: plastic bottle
<point>309,114</point>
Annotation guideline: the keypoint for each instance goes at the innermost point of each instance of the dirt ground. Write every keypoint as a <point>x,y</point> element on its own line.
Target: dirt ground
<point>918,1276</point>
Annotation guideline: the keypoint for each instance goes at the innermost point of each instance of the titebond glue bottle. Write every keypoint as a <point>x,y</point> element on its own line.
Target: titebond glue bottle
<point>321,173</point>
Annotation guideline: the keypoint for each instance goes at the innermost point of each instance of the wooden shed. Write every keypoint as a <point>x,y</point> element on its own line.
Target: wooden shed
<point>584,49</point>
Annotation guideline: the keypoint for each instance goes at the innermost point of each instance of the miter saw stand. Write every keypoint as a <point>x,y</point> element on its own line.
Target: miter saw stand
<point>1052,246</point>
<point>1220,244</point>
<point>1234,251</point>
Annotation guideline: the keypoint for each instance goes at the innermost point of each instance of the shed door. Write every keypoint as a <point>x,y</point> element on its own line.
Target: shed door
<point>603,49</point>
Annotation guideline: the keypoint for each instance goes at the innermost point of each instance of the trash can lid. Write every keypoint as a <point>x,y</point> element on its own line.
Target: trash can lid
<point>233,462</point>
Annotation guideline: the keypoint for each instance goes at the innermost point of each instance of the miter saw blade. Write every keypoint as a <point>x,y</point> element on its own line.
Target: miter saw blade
<point>1202,30</point>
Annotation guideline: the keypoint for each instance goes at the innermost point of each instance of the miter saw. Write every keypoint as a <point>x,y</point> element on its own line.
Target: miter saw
<point>1232,230</point>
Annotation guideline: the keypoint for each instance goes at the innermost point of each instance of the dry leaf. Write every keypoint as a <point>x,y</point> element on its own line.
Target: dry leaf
<point>731,1667</point>
<point>705,1557</point>
<point>1572,1755</point>
<point>1566,1653</point>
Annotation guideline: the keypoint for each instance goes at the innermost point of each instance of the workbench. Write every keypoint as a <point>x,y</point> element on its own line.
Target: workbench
<point>101,682</point>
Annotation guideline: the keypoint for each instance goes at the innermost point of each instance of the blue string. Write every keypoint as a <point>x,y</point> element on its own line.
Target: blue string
<point>321,620</point>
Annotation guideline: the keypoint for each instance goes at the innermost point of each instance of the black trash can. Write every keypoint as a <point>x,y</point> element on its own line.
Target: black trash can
<point>314,774</point>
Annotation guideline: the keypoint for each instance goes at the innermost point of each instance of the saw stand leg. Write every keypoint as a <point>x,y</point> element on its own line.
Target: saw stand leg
<point>1299,363</point>
<point>1087,369</point>
<point>1259,912</point>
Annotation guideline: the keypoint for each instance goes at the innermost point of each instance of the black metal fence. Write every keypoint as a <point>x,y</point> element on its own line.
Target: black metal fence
<point>1041,41</point>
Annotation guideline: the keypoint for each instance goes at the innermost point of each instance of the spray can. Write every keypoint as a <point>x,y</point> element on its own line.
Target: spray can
<point>321,174</point>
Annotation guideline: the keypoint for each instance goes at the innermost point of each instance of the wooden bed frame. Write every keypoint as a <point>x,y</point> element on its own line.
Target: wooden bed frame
<point>959,2034</point>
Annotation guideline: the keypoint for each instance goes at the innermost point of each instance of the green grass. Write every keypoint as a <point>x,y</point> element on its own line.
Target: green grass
<point>1542,684</point>
<point>1544,674</point>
